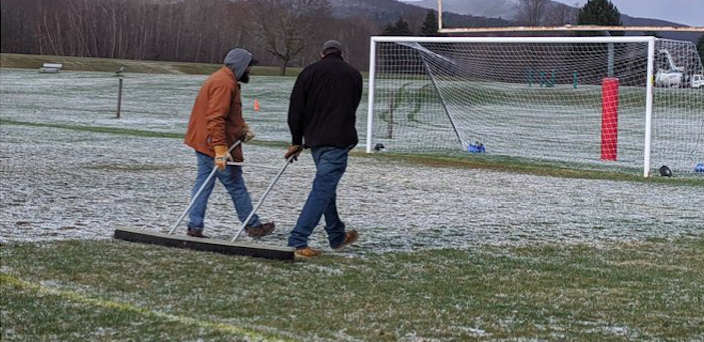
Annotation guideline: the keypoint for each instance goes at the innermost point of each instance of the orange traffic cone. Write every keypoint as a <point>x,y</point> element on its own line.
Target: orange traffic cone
<point>256,105</point>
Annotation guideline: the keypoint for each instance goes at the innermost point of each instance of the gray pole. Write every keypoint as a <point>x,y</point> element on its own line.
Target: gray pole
<point>119,99</point>
<point>611,59</point>
<point>611,55</point>
<point>261,200</point>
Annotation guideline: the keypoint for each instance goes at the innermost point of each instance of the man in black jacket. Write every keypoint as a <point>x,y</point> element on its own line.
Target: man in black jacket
<point>322,110</point>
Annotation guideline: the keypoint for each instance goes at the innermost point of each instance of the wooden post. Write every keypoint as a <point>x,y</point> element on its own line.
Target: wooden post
<point>390,126</point>
<point>119,99</point>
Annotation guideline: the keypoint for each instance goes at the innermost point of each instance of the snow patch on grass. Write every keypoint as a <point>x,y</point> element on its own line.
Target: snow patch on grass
<point>81,185</point>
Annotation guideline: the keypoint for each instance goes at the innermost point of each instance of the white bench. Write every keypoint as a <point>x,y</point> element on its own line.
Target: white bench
<point>51,67</point>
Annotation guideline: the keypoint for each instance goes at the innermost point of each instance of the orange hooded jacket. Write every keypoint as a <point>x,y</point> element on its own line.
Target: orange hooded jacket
<point>216,118</point>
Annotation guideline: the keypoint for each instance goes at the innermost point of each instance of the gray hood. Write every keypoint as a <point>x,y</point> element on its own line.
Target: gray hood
<point>238,60</point>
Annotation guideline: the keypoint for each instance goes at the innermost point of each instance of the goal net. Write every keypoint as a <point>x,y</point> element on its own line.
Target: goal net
<point>585,102</point>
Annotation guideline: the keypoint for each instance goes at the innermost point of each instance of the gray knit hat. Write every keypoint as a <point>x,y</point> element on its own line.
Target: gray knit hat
<point>332,44</point>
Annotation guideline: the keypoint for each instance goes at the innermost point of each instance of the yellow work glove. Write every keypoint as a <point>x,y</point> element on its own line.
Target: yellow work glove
<point>293,150</point>
<point>248,134</point>
<point>222,155</point>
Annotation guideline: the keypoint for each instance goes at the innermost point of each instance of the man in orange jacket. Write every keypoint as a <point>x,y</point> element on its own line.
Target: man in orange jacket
<point>216,123</point>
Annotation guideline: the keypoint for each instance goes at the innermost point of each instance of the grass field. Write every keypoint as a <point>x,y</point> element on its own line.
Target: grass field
<point>105,290</point>
<point>471,248</point>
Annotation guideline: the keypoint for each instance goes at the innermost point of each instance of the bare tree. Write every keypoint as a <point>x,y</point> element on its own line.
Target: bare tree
<point>532,12</point>
<point>290,31</point>
<point>561,15</point>
<point>284,27</point>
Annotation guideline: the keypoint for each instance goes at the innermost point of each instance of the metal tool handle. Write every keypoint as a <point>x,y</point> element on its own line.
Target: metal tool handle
<point>261,200</point>
<point>252,165</point>
<point>193,200</point>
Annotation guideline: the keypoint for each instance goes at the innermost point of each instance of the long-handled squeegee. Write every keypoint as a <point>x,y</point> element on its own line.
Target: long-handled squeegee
<point>207,244</point>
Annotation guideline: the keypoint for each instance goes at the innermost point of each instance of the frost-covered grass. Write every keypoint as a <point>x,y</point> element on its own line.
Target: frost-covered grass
<point>450,248</point>
<point>162,103</point>
<point>505,164</point>
<point>81,184</point>
<point>118,291</point>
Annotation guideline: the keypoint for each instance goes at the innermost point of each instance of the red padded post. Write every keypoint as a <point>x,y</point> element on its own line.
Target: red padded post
<point>609,118</point>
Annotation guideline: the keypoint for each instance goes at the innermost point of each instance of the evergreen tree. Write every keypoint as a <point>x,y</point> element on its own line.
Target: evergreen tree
<point>700,47</point>
<point>389,30</point>
<point>600,12</point>
<point>402,28</point>
<point>430,25</point>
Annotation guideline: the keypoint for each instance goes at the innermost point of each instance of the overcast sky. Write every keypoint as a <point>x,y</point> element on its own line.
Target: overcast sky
<point>688,12</point>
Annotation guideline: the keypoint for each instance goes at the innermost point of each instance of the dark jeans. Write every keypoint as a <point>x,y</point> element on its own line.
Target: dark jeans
<point>232,179</point>
<point>331,163</point>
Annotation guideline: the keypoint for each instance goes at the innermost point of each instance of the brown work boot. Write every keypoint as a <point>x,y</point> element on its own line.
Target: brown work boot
<point>350,237</point>
<point>307,252</point>
<point>196,233</point>
<point>263,230</point>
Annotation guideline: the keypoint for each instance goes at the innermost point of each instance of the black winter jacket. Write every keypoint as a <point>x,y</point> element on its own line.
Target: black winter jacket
<point>323,104</point>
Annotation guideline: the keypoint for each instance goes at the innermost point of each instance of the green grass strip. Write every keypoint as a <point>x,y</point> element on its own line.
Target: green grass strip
<point>521,166</point>
<point>122,131</point>
<point>23,61</point>
<point>96,129</point>
<point>107,304</point>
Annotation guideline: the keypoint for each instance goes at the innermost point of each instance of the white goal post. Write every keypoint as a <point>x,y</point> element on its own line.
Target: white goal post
<point>573,100</point>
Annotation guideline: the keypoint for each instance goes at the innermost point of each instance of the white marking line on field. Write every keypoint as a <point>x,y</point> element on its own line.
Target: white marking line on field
<point>70,295</point>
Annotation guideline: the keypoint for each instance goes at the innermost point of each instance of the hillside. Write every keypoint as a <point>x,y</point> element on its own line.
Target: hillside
<point>690,36</point>
<point>506,9</point>
<point>385,11</point>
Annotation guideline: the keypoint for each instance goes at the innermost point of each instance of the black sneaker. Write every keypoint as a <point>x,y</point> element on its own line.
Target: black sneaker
<point>196,233</point>
<point>261,231</point>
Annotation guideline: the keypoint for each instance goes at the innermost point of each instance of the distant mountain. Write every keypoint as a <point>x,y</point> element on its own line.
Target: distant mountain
<point>505,9</point>
<point>379,10</point>
<point>632,21</point>
<point>385,11</point>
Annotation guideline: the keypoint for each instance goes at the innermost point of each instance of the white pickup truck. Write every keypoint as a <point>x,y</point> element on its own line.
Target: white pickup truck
<point>697,81</point>
<point>678,79</point>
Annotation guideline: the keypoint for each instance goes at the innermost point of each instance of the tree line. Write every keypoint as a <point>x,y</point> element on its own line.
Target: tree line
<point>278,32</point>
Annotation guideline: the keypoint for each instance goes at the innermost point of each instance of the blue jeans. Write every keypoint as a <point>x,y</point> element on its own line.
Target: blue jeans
<point>232,179</point>
<point>331,163</point>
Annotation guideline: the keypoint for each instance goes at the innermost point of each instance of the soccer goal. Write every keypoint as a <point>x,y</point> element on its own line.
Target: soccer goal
<point>631,103</point>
